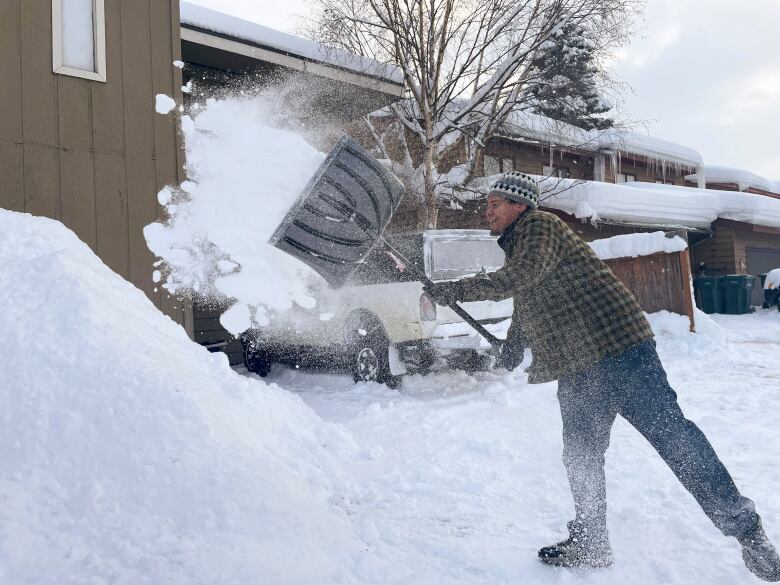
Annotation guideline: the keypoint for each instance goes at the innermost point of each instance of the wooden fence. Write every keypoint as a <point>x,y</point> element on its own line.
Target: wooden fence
<point>659,282</point>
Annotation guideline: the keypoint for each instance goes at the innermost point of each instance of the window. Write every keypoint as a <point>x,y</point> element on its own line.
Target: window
<point>560,172</point>
<point>79,38</point>
<point>624,178</point>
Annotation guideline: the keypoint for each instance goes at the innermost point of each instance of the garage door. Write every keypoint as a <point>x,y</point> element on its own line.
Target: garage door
<point>761,261</point>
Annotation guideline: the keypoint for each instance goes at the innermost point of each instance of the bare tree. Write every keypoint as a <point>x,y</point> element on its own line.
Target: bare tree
<point>467,66</point>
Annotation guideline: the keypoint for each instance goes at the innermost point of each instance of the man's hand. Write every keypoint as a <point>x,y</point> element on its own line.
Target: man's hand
<point>445,293</point>
<point>511,356</point>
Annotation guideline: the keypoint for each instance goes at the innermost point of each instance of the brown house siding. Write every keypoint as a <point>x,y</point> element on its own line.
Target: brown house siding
<point>532,158</point>
<point>726,252</point>
<point>716,251</point>
<point>749,236</point>
<point>93,155</point>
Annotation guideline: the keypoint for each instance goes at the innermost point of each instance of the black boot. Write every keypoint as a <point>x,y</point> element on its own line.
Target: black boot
<point>584,548</point>
<point>759,554</point>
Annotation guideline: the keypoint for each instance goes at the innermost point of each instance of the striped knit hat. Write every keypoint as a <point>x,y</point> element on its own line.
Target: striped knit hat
<point>517,187</point>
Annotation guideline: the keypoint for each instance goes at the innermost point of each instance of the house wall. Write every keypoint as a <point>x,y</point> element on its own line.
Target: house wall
<point>727,251</point>
<point>753,237</point>
<point>91,154</point>
<point>532,158</point>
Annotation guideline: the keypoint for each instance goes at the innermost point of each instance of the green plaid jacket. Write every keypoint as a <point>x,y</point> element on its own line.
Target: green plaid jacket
<point>570,307</point>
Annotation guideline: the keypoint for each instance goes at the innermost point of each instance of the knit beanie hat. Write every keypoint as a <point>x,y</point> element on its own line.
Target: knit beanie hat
<point>517,187</point>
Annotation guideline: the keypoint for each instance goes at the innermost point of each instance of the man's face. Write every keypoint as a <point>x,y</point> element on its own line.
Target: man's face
<point>500,213</point>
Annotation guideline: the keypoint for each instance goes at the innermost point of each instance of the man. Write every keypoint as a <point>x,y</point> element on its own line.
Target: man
<point>587,331</point>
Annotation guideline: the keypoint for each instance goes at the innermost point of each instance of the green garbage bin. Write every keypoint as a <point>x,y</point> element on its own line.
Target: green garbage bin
<point>707,292</point>
<point>735,293</point>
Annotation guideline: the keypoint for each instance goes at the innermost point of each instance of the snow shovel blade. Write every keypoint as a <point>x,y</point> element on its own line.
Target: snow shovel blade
<point>341,214</point>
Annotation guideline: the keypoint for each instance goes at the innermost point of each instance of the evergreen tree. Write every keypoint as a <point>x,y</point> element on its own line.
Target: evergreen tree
<point>566,86</point>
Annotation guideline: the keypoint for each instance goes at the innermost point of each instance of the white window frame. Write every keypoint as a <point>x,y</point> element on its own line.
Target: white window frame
<point>99,30</point>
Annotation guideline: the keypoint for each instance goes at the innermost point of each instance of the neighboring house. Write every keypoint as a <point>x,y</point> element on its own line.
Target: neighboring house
<point>541,146</point>
<point>739,247</point>
<point>80,140</point>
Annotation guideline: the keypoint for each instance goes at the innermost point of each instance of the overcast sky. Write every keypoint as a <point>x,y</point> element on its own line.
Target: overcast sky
<point>704,73</point>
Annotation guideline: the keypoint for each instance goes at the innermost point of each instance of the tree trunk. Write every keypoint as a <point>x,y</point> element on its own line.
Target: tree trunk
<point>429,215</point>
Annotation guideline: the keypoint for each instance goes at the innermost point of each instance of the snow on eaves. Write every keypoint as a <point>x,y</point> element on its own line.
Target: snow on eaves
<point>649,147</point>
<point>244,30</point>
<point>740,177</point>
<point>611,141</point>
<point>652,204</point>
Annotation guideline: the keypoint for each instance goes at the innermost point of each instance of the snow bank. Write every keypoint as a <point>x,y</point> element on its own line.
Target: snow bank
<point>245,173</point>
<point>652,204</point>
<point>633,245</point>
<point>205,18</point>
<point>740,177</point>
<point>131,455</point>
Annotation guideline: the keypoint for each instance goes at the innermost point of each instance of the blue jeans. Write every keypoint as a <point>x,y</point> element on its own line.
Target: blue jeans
<point>634,385</point>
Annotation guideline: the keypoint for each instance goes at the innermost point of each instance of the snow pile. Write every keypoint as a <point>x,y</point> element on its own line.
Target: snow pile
<point>197,16</point>
<point>245,173</point>
<point>742,178</point>
<point>652,204</point>
<point>131,455</point>
<point>633,245</point>
<point>466,480</point>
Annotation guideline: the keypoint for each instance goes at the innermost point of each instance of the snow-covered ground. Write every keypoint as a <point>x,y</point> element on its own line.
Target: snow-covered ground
<point>461,480</point>
<point>130,455</point>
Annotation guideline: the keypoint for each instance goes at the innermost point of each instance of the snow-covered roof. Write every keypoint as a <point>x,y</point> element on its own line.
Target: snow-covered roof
<point>649,147</point>
<point>543,129</point>
<point>744,179</point>
<point>200,17</point>
<point>653,204</point>
<point>611,141</point>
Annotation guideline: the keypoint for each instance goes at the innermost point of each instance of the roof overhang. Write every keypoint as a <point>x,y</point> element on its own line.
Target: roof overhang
<point>222,52</point>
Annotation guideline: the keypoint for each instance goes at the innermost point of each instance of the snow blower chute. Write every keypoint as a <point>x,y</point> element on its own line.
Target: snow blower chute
<point>341,215</point>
